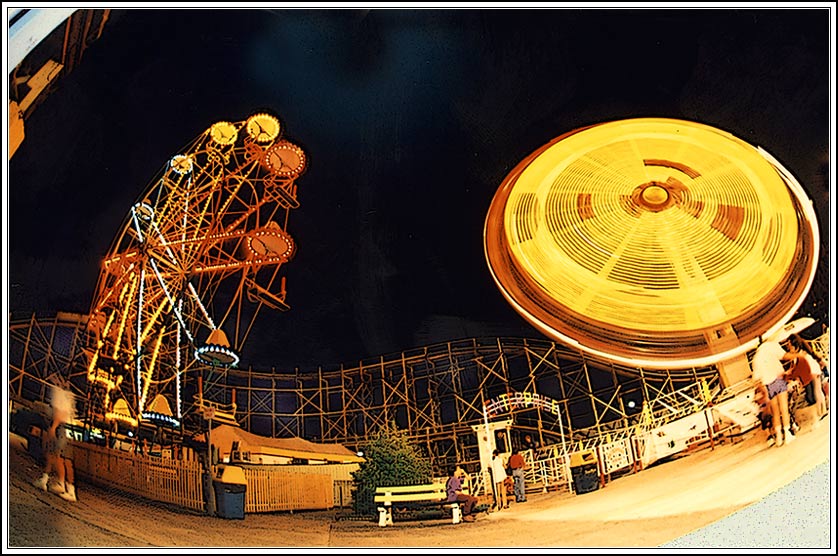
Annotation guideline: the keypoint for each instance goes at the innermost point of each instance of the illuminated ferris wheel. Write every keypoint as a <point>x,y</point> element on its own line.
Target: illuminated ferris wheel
<point>197,258</point>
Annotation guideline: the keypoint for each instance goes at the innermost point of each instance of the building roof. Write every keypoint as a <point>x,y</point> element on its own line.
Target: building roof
<point>223,436</point>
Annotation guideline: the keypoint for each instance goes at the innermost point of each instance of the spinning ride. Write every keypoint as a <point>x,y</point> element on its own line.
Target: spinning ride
<point>653,242</point>
<point>196,260</point>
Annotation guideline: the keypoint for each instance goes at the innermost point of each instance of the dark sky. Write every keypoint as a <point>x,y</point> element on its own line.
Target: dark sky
<point>411,120</point>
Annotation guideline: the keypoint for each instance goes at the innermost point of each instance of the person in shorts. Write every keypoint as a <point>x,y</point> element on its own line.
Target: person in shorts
<point>770,376</point>
<point>57,449</point>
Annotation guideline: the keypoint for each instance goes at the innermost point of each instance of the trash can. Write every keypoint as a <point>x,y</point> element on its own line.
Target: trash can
<point>584,471</point>
<point>230,486</point>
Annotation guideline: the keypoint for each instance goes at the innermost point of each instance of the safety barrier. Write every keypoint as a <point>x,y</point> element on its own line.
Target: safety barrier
<point>179,482</point>
<point>269,489</point>
<point>339,473</point>
<point>167,480</point>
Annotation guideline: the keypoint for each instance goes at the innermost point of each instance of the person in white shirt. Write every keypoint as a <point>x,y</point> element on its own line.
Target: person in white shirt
<point>499,478</point>
<point>768,372</point>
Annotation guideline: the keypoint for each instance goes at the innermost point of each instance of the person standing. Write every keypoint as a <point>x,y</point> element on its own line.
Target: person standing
<point>518,465</point>
<point>769,374</point>
<point>499,478</point>
<point>57,450</point>
<point>528,443</point>
<point>454,488</point>
<point>808,369</point>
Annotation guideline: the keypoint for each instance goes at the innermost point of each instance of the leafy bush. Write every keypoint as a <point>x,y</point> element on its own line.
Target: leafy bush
<point>391,460</point>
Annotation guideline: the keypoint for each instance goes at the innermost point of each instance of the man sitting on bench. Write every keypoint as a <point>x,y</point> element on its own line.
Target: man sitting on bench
<point>454,488</point>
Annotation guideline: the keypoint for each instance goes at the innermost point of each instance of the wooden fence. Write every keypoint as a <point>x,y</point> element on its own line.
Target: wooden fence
<point>340,474</point>
<point>271,490</point>
<point>172,481</point>
<point>179,482</point>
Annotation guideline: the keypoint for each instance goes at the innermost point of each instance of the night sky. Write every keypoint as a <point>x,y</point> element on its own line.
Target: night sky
<point>411,120</point>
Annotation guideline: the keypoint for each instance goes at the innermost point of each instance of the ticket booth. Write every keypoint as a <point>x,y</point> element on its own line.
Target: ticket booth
<point>489,439</point>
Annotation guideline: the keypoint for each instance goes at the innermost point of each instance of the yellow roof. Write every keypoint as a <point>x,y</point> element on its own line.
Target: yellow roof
<point>223,436</point>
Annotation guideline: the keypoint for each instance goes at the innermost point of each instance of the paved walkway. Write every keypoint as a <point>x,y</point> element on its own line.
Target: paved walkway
<point>667,504</point>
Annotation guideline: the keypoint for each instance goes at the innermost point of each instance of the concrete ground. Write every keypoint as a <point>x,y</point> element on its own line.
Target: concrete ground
<point>678,503</point>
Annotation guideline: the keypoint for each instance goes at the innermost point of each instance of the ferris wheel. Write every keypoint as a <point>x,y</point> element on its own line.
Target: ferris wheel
<point>197,258</point>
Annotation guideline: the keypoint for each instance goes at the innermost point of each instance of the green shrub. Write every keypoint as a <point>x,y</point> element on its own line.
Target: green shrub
<point>391,460</point>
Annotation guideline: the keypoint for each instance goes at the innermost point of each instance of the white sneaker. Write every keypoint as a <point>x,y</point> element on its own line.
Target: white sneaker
<point>41,483</point>
<point>69,494</point>
<point>789,437</point>
<point>778,441</point>
<point>57,488</point>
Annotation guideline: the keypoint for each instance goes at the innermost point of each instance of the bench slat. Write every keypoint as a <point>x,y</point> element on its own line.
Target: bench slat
<point>435,492</point>
<point>435,487</point>
<point>410,498</point>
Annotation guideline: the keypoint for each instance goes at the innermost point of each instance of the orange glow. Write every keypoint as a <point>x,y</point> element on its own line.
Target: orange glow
<point>211,215</point>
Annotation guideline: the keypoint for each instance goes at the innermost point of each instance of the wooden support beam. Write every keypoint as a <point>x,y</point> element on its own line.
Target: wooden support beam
<point>39,82</point>
<point>16,131</point>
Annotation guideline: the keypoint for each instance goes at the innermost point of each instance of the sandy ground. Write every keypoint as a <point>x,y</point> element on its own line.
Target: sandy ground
<point>676,503</point>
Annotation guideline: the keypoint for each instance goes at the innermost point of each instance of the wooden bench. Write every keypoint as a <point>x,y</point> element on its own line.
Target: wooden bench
<point>413,495</point>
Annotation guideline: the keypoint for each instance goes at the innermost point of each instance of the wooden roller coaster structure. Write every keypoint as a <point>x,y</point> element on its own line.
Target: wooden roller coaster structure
<point>199,256</point>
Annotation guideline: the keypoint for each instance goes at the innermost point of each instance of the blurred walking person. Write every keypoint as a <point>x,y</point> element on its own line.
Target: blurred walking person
<point>57,450</point>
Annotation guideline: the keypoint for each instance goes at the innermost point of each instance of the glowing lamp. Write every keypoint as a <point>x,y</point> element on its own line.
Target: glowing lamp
<point>127,419</point>
<point>161,419</point>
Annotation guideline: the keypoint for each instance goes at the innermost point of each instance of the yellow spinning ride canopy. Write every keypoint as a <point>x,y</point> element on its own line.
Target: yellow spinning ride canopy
<point>653,242</point>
